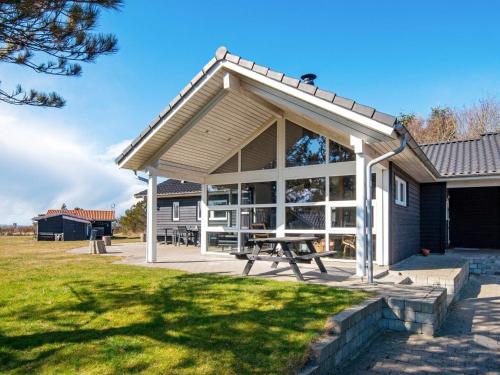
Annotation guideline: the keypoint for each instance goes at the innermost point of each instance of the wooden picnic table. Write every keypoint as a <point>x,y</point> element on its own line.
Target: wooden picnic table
<point>284,254</point>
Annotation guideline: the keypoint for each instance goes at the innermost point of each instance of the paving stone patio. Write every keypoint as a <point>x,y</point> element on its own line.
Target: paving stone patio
<point>468,342</point>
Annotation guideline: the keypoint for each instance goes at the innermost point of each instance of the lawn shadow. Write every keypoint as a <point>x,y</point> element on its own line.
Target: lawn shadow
<point>246,321</point>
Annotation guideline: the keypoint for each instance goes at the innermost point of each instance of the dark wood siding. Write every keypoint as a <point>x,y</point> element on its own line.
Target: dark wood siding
<point>404,221</point>
<point>50,225</point>
<point>74,230</point>
<point>433,216</point>
<point>187,210</point>
<point>475,217</point>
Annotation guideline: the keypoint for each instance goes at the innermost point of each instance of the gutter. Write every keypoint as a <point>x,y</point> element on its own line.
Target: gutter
<point>368,229</point>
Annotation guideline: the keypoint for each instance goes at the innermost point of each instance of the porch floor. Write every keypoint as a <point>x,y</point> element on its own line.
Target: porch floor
<point>189,259</point>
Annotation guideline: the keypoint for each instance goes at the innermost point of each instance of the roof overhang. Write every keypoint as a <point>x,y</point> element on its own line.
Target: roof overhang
<point>228,104</point>
<point>64,216</point>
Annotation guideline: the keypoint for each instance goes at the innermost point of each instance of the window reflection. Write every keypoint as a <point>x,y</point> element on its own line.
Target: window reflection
<point>258,218</point>
<point>312,217</point>
<point>342,188</point>
<point>222,242</point>
<point>343,217</point>
<point>303,147</point>
<point>258,193</point>
<point>219,195</point>
<point>339,153</point>
<point>305,190</point>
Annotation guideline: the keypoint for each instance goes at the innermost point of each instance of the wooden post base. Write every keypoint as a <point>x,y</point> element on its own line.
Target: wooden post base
<point>97,247</point>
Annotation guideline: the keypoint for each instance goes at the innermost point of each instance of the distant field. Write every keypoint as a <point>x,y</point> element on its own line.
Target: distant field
<point>64,313</point>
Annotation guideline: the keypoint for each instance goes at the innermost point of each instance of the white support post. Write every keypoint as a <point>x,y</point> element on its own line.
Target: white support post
<point>151,235</point>
<point>361,162</point>
<point>386,202</point>
<point>280,181</point>
<point>204,219</point>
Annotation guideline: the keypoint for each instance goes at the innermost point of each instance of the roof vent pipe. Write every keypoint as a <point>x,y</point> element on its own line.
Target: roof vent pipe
<point>308,78</point>
<point>368,206</point>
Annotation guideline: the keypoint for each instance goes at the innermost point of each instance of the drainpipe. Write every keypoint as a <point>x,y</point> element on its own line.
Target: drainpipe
<point>368,206</point>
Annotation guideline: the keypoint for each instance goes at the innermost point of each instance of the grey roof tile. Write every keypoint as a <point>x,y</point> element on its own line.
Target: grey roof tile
<point>343,102</point>
<point>363,110</point>
<point>290,81</point>
<point>232,58</point>
<point>186,89</point>
<point>175,100</point>
<point>246,63</point>
<point>384,118</point>
<point>260,69</point>
<point>310,89</point>
<point>211,63</point>
<point>174,187</point>
<point>275,75</point>
<point>326,95</point>
<point>469,157</point>
<point>197,77</point>
<point>162,114</point>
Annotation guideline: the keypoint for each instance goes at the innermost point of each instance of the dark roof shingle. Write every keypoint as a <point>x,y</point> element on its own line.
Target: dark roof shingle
<point>174,187</point>
<point>468,157</point>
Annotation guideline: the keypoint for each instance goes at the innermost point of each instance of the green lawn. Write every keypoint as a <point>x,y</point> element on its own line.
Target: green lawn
<point>63,313</point>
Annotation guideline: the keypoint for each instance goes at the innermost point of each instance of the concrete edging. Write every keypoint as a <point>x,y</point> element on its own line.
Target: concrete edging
<point>354,328</point>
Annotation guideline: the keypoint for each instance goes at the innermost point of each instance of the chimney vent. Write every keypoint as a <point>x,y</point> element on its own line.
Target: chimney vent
<point>308,78</point>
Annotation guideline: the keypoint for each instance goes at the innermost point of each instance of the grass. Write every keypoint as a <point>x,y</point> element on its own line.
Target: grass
<point>62,313</point>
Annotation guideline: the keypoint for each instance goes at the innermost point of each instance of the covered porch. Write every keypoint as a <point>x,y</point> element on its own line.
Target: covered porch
<point>275,156</point>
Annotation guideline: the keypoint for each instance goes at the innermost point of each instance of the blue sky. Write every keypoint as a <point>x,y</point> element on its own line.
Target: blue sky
<point>397,56</point>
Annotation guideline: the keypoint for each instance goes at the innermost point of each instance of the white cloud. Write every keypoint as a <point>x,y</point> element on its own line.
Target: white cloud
<point>43,165</point>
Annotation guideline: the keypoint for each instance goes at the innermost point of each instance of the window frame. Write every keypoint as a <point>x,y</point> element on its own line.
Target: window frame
<point>398,199</point>
<point>198,210</point>
<point>176,204</point>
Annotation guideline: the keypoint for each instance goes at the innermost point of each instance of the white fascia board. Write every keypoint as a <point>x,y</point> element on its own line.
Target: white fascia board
<point>171,113</point>
<point>294,92</point>
<point>478,181</point>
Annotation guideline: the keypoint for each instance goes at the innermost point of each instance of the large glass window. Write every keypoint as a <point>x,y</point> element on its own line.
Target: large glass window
<point>222,194</point>
<point>339,153</point>
<point>229,166</point>
<point>343,246</point>
<point>258,193</point>
<point>258,218</point>
<point>303,147</point>
<point>342,188</point>
<point>222,218</point>
<point>305,217</point>
<point>343,217</point>
<point>222,242</point>
<point>261,152</point>
<point>305,190</point>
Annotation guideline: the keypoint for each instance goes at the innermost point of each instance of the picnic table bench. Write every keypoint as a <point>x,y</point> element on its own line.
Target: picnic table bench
<point>284,254</point>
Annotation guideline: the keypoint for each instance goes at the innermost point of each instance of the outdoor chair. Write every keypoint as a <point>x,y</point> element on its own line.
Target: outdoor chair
<point>182,234</point>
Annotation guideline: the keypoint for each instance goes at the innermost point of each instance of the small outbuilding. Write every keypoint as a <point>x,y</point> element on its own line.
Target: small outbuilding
<point>73,225</point>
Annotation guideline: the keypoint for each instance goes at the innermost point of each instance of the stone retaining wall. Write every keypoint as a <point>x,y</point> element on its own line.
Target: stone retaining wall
<point>485,265</point>
<point>354,328</point>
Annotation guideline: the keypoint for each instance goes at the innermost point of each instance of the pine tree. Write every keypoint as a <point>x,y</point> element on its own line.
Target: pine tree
<point>51,37</point>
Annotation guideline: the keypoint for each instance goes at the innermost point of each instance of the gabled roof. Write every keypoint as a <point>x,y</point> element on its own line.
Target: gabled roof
<point>375,120</point>
<point>65,216</point>
<point>468,157</point>
<point>173,187</point>
<point>93,215</point>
